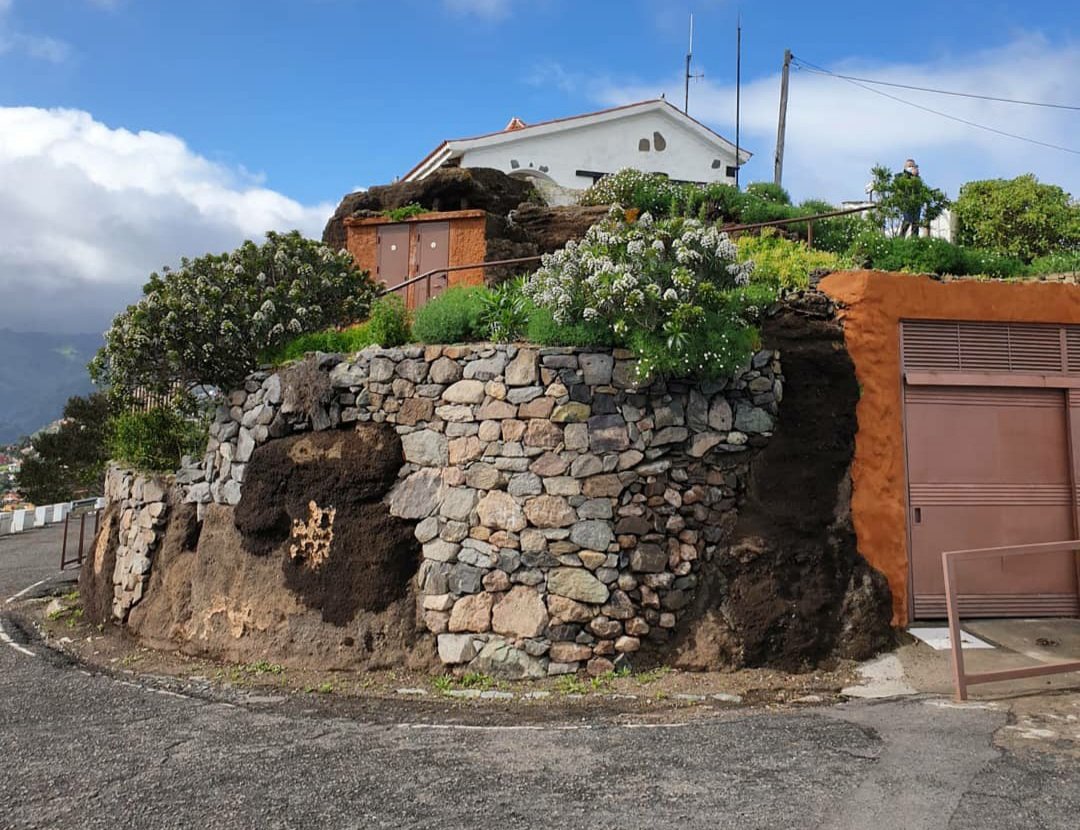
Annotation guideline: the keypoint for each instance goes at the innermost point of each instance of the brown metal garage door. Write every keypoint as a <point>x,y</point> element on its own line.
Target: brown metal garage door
<point>988,466</point>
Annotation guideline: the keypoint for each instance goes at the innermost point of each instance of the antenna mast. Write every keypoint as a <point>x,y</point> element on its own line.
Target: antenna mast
<point>738,91</point>
<point>686,80</point>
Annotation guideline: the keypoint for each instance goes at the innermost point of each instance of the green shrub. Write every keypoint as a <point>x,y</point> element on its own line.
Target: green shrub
<point>918,254</point>
<point>991,264</point>
<point>714,202</point>
<point>389,323</point>
<point>629,188</point>
<point>544,331</point>
<point>404,212</point>
<point>506,311</point>
<point>924,255</point>
<point>207,322</point>
<point>455,316</point>
<point>387,327</point>
<point>669,289</point>
<point>1019,217</point>
<point>836,234</point>
<point>769,192</point>
<point>1065,262</point>
<point>155,440</point>
<point>783,262</point>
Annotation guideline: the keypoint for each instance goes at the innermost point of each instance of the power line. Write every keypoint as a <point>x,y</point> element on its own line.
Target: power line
<point>811,68</point>
<point>805,65</point>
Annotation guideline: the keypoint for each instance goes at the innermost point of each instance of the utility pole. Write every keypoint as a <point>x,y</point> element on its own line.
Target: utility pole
<point>738,92</point>
<point>781,125</point>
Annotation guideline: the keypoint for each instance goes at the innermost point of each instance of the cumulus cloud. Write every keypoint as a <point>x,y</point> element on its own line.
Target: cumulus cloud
<point>88,211</point>
<point>837,131</point>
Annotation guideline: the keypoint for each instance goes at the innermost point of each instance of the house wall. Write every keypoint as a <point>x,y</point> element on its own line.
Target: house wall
<point>874,304</point>
<point>468,244</point>
<point>605,148</point>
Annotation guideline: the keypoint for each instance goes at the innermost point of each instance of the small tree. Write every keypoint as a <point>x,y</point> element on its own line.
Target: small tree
<point>206,322</point>
<point>1020,217</point>
<point>69,462</point>
<point>901,196</point>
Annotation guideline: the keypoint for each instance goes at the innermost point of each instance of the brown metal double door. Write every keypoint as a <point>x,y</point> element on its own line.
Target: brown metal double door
<point>432,252</point>
<point>406,250</point>
<point>989,467</point>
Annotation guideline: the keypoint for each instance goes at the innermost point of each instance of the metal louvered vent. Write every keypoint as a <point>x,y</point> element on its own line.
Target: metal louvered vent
<point>1025,348</point>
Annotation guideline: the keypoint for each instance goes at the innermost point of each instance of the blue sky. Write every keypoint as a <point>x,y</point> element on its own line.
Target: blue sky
<point>248,112</point>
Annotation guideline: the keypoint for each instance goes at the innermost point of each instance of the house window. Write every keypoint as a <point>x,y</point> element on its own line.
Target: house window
<point>643,145</point>
<point>595,175</point>
<point>659,142</point>
<point>731,172</point>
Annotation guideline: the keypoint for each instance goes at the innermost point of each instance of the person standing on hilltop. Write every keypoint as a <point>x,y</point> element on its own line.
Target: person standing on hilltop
<point>911,216</point>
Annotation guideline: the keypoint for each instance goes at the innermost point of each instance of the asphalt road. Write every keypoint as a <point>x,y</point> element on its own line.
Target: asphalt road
<point>81,750</point>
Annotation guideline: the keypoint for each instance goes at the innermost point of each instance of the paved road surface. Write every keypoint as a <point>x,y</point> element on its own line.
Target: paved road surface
<point>88,751</point>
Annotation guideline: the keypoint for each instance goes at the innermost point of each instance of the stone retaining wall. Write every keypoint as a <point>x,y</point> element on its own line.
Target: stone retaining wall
<point>565,513</point>
<point>142,502</point>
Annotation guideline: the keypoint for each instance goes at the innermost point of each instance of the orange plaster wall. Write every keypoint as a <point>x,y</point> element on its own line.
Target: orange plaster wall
<point>361,242</point>
<point>874,304</point>
<point>468,243</point>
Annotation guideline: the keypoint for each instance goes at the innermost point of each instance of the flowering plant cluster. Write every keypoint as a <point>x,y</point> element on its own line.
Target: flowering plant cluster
<point>670,289</point>
<point>205,322</point>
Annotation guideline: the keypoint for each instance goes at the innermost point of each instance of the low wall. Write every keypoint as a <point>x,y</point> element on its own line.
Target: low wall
<point>564,513</point>
<point>138,506</point>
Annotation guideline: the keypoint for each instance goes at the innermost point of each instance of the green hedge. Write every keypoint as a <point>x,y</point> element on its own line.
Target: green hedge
<point>388,326</point>
<point>930,256</point>
<point>455,316</point>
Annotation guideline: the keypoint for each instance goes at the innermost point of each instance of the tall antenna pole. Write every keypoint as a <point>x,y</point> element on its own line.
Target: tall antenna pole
<point>738,90</point>
<point>689,57</point>
<point>781,124</point>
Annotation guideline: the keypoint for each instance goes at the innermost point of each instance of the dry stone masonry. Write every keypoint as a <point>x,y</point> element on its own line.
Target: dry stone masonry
<point>143,508</point>
<point>565,512</point>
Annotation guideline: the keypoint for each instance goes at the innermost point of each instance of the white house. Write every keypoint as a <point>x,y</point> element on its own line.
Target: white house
<point>567,155</point>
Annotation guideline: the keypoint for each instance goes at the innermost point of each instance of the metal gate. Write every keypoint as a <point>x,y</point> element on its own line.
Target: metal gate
<point>987,412</point>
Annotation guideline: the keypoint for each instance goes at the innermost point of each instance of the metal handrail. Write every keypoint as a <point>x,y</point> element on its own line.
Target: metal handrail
<point>775,223</point>
<point>961,679</point>
<point>429,274</point>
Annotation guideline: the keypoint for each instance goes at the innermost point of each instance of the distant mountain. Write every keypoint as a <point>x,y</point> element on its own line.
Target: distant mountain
<point>38,373</point>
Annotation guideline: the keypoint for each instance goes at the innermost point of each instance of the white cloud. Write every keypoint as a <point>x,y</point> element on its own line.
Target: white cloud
<point>492,9</point>
<point>836,131</point>
<point>36,46</point>
<point>87,212</point>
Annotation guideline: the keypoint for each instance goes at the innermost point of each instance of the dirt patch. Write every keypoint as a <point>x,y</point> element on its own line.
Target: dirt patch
<point>96,574</point>
<point>792,590</point>
<point>365,556</point>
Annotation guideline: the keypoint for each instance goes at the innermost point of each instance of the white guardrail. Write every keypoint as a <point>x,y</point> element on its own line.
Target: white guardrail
<point>16,521</point>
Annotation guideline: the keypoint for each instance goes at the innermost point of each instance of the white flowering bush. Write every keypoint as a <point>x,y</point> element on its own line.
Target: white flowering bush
<point>670,289</point>
<point>206,322</point>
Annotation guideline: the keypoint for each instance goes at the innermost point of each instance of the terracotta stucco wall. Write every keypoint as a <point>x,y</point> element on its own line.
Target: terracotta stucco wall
<point>468,243</point>
<point>360,241</point>
<point>875,303</point>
